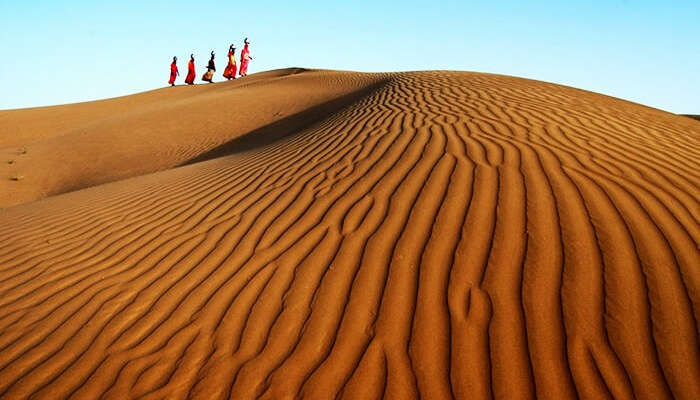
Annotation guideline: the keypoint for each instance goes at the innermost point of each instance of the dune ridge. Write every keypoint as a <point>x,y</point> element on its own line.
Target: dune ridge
<point>64,148</point>
<point>441,235</point>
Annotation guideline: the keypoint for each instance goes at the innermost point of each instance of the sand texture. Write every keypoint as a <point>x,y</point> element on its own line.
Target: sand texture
<point>336,235</point>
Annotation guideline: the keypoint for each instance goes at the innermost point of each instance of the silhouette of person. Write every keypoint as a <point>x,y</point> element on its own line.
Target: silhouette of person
<point>190,71</point>
<point>230,71</point>
<point>174,73</point>
<point>211,68</point>
<point>245,58</point>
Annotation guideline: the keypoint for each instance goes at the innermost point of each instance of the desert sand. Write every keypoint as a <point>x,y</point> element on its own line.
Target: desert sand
<point>321,234</point>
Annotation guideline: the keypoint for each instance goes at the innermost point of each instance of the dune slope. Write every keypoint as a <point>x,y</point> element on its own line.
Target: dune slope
<point>65,148</point>
<point>435,235</point>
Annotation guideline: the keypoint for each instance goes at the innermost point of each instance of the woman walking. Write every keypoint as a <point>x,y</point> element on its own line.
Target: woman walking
<point>190,71</point>
<point>245,58</point>
<point>173,72</point>
<point>230,71</point>
<point>211,68</point>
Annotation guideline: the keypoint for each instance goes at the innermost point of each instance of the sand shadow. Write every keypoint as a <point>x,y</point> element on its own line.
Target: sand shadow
<point>286,126</point>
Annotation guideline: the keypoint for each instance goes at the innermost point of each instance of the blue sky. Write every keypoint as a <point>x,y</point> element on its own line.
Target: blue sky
<point>67,51</point>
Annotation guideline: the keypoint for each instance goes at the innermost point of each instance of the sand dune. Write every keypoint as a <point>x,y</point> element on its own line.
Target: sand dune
<point>65,148</point>
<point>430,235</point>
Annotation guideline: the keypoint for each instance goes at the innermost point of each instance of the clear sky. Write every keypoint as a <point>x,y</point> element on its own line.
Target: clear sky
<point>67,51</point>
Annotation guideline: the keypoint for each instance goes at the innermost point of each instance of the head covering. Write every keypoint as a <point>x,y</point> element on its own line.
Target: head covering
<point>246,41</point>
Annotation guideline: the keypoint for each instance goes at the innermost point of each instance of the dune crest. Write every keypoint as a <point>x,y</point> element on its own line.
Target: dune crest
<point>64,148</point>
<point>431,235</point>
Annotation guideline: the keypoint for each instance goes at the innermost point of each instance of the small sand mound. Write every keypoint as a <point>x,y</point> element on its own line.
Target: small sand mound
<point>429,235</point>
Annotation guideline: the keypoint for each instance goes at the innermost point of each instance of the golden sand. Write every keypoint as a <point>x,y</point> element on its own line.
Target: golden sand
<point>322,234</point>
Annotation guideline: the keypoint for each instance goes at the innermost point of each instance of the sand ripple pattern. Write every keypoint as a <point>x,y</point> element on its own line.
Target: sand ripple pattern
<point>447,236</point>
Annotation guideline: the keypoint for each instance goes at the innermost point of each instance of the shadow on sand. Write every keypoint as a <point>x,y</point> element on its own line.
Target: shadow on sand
<point>286,126</point>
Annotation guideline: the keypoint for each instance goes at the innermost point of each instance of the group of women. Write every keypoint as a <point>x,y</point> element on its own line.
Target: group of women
<point>229,72</point>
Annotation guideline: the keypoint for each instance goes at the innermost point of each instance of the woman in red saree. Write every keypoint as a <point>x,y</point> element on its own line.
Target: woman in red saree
<point>173,72</point>
<point>190,71</point>
<point>230,71</point>
<point>245,58</point>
